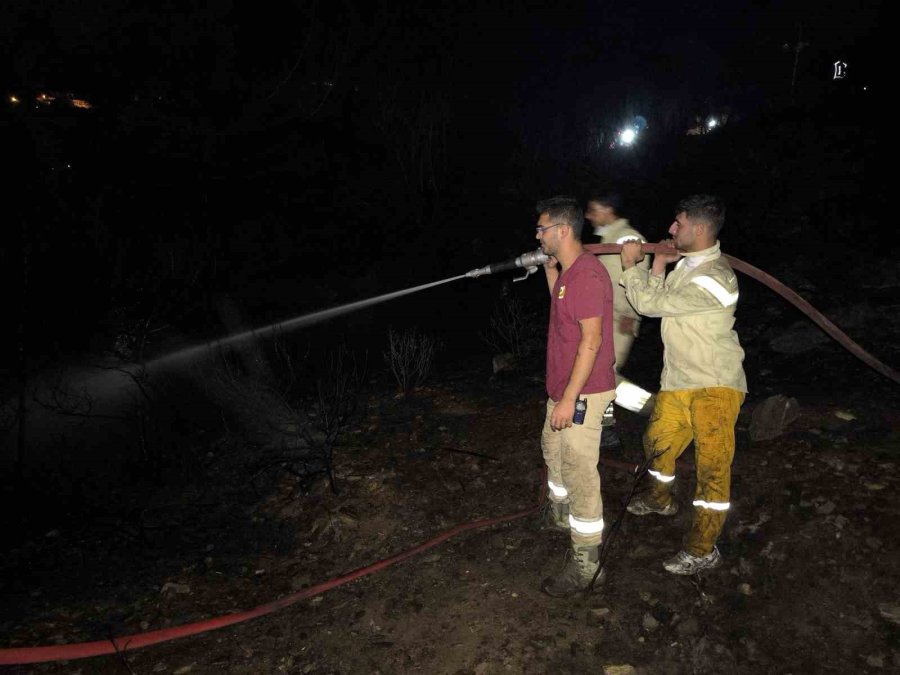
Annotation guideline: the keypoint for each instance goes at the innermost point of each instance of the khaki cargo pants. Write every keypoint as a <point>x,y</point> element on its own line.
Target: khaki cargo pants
<point>571,456</point>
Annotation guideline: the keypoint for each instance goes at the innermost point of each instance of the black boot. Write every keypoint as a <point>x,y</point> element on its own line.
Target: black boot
<point>609,438</point>
<point>554,516</point>
<point>577,574</point>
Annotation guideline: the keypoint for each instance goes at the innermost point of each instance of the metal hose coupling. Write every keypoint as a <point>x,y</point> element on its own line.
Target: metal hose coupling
<point>529,261</point>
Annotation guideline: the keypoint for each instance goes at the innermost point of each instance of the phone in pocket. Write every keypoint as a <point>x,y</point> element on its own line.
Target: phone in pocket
<point>580,411</point>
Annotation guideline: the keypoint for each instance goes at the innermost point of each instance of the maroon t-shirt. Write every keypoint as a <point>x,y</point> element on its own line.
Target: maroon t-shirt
<point>581,292</point>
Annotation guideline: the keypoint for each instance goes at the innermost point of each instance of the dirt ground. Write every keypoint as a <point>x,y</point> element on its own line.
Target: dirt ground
<point>809,584</point>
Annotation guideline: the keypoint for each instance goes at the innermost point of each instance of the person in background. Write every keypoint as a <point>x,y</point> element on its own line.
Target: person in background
<point>604,213</point>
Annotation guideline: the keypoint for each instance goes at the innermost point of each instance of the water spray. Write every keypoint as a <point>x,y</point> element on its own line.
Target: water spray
<point>189,353</point>
<point>530,262</point>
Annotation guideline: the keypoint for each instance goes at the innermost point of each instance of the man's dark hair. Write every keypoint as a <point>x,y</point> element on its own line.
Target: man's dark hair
<point>563,209</point>
<point>708,208</point>
<point>611,199</point>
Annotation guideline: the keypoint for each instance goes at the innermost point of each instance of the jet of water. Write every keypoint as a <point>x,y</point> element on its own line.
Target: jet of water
<point>190,353</point>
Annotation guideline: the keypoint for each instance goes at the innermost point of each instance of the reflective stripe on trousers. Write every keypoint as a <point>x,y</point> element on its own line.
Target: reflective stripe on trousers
<point>662,478</point>
<point>571,457</point>
<point>558,493</point>
<point>706,416</point>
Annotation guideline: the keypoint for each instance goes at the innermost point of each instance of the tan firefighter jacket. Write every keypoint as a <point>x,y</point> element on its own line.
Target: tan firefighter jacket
<point>696,301</point>
<point>616,233</point>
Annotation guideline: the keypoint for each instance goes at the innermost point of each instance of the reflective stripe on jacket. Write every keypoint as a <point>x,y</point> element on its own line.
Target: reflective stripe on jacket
<point>696,301</point>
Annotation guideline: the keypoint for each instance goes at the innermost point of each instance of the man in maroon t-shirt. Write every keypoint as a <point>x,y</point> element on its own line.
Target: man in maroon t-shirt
<point>580,359</point>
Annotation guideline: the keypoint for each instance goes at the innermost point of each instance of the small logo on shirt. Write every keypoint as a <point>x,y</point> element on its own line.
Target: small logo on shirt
<point>562,292</point>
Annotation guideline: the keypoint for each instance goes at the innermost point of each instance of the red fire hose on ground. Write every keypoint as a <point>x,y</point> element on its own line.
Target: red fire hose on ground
<point>118,645</point>
<point>24,655</point>
<point>121,644</point>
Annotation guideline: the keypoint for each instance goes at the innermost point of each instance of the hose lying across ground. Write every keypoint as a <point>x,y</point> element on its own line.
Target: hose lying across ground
<point>120,645</point>
<point>117,645</point>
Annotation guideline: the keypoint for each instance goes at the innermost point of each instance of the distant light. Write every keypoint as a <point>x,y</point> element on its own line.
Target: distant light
<point>14,99</point>
<point>865,89</point>
<point>712,123</point>
<point>840,70</point>
<point>627,136</point>
<point>81,103</point>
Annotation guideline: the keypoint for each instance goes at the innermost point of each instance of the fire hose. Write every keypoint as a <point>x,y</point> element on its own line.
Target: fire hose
<point>532,260</point>
<point>116,645</point>
<point>528,261</point>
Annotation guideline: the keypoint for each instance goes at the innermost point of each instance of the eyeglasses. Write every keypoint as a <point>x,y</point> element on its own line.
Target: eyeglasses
<point>541,230</point>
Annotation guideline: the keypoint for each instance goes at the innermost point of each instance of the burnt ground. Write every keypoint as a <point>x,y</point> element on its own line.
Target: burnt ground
<point>809,584</point>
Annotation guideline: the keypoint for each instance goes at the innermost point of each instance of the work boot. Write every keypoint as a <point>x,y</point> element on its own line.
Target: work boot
<point>640,507</point>
<point>685,563</point>
<point>609,438</point>
<point>581,565</point>
<point>554,516</point>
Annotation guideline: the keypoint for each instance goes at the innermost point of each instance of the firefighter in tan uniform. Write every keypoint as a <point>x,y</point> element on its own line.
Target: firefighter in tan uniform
<point>702,384</point>
<point>603,213</point>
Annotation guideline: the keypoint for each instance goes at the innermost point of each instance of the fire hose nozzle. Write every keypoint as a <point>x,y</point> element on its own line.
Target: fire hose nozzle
<point>530,261</point>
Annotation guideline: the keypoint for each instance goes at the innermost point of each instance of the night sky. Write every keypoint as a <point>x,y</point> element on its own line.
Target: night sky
<point>227,146</point>
<point>588,49</point>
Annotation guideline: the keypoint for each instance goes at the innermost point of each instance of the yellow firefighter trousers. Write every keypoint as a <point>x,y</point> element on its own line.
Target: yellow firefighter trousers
<point>706,416</point>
